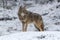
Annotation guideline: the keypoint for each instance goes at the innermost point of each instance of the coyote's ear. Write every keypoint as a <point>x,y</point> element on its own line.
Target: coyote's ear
<point>24,7</point>
<point>20,7</point>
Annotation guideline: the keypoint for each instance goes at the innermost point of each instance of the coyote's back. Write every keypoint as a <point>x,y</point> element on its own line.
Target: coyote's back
<point>27,17</point>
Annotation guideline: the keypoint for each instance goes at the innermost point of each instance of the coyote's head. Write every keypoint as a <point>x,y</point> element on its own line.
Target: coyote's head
<point>22,12</point>
<point>22,9</point>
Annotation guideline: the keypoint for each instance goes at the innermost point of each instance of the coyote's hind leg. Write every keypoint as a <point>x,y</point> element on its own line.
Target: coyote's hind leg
<point>40,26</point>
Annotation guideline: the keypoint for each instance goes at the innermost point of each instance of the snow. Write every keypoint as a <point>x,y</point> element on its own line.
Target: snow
<point>37,9</point>
<point>47,35</point>
<point>11,29</point>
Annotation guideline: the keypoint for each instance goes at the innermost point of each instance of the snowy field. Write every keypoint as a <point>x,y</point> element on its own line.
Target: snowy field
<point>11,26</point>
<point>32,36</point>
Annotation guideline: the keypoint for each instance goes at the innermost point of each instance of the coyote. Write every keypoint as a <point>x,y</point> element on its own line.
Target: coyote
<point>27,17</point>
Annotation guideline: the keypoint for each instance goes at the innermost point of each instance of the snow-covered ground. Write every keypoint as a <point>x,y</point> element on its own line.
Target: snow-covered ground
<point>51,18</point>
<point>32,36</point>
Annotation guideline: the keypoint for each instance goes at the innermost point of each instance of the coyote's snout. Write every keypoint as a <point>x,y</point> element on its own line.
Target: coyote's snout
<point>27,17</point>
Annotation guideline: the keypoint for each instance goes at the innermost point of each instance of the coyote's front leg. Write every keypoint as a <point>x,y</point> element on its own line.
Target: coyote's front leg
<point>24,28</point>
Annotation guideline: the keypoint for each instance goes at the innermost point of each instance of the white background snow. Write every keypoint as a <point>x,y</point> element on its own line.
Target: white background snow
<point>11,29</point>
